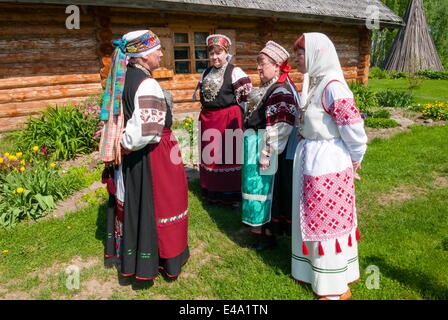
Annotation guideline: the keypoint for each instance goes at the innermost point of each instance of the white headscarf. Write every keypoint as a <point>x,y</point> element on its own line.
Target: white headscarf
<point>321,60</point>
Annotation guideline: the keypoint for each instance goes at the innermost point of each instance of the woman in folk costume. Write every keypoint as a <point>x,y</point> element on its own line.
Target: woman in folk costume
<point>267,169</point>
<point>148,214</point>
<point>223,91</point>
<point>332,146</point>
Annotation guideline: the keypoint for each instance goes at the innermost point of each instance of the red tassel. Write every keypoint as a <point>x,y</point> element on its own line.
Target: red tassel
<point>350,240</point>
<point>304,249</point>
<point>338,247</point>
<point>358,237</point>
<point>321,250</point>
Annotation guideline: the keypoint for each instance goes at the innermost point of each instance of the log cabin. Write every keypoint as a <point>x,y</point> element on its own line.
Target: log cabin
<point>43,62</point>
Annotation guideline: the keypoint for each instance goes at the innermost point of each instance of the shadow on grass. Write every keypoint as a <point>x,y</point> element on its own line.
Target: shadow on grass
<point>228,221</point>
<point>428,286</point>
<point>114,262</point>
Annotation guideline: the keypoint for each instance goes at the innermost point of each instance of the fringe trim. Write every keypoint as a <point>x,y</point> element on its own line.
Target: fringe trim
<point>305,251</point>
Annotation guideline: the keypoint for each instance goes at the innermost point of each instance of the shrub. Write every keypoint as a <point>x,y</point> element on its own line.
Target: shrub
<point>394,99</point>
<point>436,111</point>
<point>398,75</point>
<point>66,131</point>
<point>365,98</point>
<point>378,73</point>
<point>380,123</point>
<point>418,107</point>
<point>431,74</point>
<point>381,113</point>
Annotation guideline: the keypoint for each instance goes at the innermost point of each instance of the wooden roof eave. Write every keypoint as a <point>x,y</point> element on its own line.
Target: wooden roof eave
<point>216,9</point>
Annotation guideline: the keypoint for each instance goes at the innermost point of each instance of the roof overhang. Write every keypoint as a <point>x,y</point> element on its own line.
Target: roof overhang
<point>218,9</point>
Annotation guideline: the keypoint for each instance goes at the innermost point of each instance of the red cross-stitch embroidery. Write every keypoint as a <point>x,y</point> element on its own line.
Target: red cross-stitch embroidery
<point>328,205</point>
<point>344,112</point>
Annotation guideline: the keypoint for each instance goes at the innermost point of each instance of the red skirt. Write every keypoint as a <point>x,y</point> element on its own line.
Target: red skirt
<point>170,192</point>
<point>220,169</point>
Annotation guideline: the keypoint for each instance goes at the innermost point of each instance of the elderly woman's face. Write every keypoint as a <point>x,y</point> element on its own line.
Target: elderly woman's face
<point>154,59</point>
<point>266,69</point>
<point>217,56</point>
<point>300,60</point>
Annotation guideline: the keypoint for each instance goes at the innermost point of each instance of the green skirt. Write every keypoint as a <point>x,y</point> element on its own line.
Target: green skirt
<point>257,185</point>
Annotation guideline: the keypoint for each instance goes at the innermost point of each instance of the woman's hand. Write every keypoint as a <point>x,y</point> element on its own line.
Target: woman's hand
<point>356,167</point>
<point>264,162</point>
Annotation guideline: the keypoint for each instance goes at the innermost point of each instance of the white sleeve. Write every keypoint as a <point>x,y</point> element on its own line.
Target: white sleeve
<point>340,104</point>
<point>241,86</point>
<point>148,118</point>
<point>276,138</point>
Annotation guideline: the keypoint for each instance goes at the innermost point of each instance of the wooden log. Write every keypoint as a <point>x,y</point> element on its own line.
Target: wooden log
<point>16,109</point>
<point>50,68</point>
<point>17,6</point>
<point>186,107</point>
<point>40,15</point>
<point>40,81</point>
<point>10,124</point>
<point>182,95</point>
<point>38,30</point>
<point>48,92</point>
<point>134,19</point>
<point>66,43</point>
<point>10,56</point>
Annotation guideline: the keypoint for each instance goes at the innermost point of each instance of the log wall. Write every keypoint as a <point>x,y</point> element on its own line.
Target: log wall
<point>42,62</point>
<point>67,65</point>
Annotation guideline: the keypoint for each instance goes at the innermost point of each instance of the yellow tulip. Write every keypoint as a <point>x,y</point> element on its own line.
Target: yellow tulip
<point>20,190</point>
<point>35,148</point>
<point>19,154</point>
<point>12,158</point>
<point>52,164</point>
<point>5,251</point>
<point>1,160</point>
<point>22,169</point>
<point>6,154</point>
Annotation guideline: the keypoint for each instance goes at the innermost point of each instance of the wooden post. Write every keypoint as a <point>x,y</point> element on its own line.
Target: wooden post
<point>365,36</point>
<point>104,37</point>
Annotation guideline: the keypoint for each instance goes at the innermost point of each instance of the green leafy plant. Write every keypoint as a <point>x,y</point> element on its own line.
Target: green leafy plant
<point>398,75</point>
<point>378,73</point>
<point>431,74</point>
<point>380,123</point>
<point>31,183</point>
<point>394,98</point>
<point>365,98</point>
<point>66,131</point>
<point>381,113</point>
<point>186,134</point>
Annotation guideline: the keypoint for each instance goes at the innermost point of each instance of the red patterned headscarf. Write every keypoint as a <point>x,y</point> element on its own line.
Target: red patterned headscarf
<point>219,40</point>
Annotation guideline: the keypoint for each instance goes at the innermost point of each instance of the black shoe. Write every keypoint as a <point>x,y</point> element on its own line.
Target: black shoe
<point>265,244</point>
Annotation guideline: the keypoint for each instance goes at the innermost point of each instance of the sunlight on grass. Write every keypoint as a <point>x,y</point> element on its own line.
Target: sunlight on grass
<point>403,238</point>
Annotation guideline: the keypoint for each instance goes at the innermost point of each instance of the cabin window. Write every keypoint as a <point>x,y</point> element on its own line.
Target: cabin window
<point>190,51</point>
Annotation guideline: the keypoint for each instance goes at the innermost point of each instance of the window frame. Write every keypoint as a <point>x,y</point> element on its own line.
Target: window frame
<point>191,47</point>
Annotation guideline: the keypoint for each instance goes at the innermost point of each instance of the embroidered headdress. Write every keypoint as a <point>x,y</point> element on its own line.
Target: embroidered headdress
<point>219,40</point>
<point>279,54</point>
<point>133,44</point>
<point>276,52</point>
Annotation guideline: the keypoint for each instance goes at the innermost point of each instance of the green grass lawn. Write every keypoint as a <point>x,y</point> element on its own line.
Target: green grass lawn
<point>402,207</point>
<point>429,91</point>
